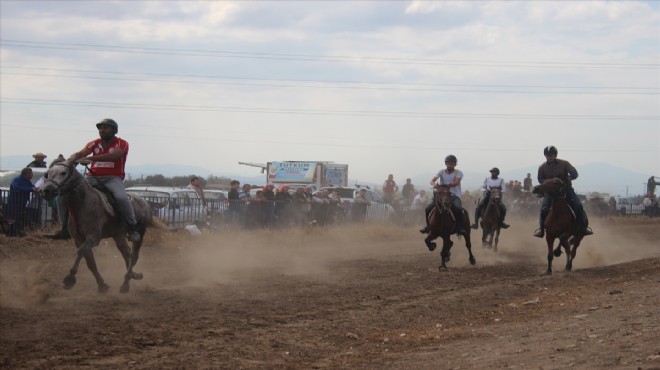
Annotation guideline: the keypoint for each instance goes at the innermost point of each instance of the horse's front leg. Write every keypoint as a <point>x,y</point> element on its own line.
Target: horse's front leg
<point>445,254</point>
<point>430,244</point>
<point>468,245</point>
<point>484,236</point>
<point>102,287</point>
<point>70,279</point>
<point>497,239</point>
<point>550,241</point>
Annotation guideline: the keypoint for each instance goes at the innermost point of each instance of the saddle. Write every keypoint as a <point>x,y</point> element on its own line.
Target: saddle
<point>108,201</point>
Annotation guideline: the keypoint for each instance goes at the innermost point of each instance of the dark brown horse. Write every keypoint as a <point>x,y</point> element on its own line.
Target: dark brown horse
<point>490,219</point>
<point>560,223</point>
<point>90,220</point>
<point>442,223</point>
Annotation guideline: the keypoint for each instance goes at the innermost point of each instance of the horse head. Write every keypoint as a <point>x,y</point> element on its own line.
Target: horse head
<point>496,194</point>
<point>552,187</point>
<point>442,197</point>
<point>62,178</point>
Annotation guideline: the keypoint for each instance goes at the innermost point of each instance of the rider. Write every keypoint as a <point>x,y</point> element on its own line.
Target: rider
<point>450,177</point>
<point>489,183</point>
<point>108,158</point>
<point>564,171</point>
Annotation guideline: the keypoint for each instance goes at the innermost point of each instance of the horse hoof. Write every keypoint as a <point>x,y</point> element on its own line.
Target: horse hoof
<point>124,288</point>
<point>103,288</point>
<point>473,261</point>
<point>557,252</point>
<point>69,281</point>
<point>137,276</point>
<point>442,268</point>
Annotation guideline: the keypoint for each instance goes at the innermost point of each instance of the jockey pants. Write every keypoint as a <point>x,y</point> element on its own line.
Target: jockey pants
<point>116,187</point>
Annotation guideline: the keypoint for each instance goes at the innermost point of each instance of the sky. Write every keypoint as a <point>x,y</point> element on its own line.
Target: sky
<point>385,87</point>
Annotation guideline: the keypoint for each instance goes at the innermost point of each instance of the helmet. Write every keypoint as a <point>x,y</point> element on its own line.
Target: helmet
<point>110,122</point>
<point>549,150</point>
<point>495,169</point>
<point>451,158</point>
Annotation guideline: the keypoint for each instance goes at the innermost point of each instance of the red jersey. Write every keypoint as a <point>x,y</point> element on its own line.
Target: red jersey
<point>115,168</point>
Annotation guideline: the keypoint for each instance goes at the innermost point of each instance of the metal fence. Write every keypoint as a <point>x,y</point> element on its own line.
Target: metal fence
<point>37,213</point>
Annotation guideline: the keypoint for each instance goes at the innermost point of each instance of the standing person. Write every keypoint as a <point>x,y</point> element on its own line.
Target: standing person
<point>489,183</point>
<point>527,182</point>
<point>421,200</point>
<point>245,195</point>
<point>449,176</point>
<point>408,191</point>
<point>194,185</point>
<point>359,207</point>
<point>564,171</point>
<point>39,161</point>
<point>19,194</point>
<point>107,156</point>
<point>389,189</point>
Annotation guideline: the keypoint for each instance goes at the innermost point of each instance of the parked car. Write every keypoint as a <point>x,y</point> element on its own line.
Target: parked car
<point>177,206</point>
<point>216,200</point>
<point>378,210</point>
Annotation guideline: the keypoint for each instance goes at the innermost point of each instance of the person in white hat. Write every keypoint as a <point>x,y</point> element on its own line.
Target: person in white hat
<point>38,160</point>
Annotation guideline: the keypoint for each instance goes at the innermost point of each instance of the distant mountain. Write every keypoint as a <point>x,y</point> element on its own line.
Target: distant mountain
<point>593,177</point>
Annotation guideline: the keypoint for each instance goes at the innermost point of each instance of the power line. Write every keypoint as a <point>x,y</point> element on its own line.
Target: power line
<point>322,112</point>
<point>292,83</point>
<point>317,58</point>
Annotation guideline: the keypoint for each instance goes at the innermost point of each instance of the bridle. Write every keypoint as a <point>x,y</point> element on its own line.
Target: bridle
<point>62,187</point>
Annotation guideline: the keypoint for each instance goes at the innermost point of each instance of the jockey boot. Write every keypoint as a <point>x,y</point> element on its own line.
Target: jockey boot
<point>133,235</point>
<point>503,224</point>
<point>540,232</point>
<point>588,231</point>
<point>424,230</point>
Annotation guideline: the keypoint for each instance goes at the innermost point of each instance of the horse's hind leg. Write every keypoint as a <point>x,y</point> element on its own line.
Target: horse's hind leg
<point>468,245</point>
<point>130,259</point>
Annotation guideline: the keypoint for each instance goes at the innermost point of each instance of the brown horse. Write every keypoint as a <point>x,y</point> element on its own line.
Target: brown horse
<point>490,219</point>
<point>90,220</point>
<point>560,223</point>
<point>442,223</point>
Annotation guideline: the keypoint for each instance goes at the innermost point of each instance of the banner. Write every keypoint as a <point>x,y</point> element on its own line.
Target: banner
<point>294,172</point>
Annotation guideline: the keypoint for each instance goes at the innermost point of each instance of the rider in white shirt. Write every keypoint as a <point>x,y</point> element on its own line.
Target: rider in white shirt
<point>489,183</point>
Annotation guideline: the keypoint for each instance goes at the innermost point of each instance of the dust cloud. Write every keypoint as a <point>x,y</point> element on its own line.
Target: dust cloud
<point>236,255</point>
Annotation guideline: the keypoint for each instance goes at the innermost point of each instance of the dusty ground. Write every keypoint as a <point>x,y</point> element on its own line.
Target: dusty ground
<point>337,298</point>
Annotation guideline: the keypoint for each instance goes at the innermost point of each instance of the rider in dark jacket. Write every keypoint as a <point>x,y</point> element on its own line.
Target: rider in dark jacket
<point>564,171</point>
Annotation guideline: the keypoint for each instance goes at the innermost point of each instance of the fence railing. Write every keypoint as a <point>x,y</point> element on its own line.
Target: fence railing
<point>33,212</point>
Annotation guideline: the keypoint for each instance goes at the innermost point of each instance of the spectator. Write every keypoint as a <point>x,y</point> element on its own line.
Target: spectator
<point>234,202</point>
<point>360,204</point>
<point>649,205</point>
<point>389,189</point>
<point>421,200</point>
<point>282,202</point>
<point>408,192</point>
<point>39,161</point>
<point>19,194</point>
<point>269,204</point>
<point>245,195</point>
<point>194,185</point>
<point>527,182</point>
<point>300,204</point>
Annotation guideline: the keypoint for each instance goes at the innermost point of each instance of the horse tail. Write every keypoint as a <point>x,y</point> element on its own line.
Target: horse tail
<point>158,223</point>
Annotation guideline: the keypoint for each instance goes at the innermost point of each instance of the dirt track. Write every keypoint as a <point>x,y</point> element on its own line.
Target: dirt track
<point>338,298</point>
